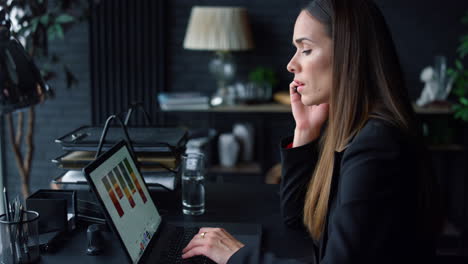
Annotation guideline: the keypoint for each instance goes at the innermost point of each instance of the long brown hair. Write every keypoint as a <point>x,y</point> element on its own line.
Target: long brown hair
<point>367,83</point>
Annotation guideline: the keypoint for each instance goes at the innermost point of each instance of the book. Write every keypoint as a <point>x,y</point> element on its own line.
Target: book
<point>183,101</point>
<point>183,98</point>
<point>168,107</point>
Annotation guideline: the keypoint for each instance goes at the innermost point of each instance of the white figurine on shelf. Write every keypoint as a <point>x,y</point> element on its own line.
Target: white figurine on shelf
<point>431,91</point>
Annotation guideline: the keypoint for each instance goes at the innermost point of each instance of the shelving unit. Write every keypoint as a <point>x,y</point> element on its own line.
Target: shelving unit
<point>254,108</point>
<point>246,172</point>
<point>241,168</point>
<point>267,118</point>
<point>272,108</point>
<point>281,108</point>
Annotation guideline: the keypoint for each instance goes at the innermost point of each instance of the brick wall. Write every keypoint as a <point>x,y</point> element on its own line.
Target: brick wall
<point>70,109</point>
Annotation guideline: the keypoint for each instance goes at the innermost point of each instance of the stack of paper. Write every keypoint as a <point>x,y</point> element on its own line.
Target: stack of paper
<point>183,101</point>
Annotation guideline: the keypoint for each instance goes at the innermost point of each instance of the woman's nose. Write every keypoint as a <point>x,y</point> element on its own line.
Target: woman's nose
<point>292,66</point>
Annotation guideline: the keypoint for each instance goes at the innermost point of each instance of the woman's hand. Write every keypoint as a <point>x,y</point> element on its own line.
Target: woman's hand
<point>309,119</point>
<point>215,243</point>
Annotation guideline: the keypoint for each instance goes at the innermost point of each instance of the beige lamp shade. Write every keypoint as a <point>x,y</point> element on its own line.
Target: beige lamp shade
<point>218,29</point>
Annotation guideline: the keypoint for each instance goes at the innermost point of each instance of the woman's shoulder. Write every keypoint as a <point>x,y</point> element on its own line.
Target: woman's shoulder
<point>375,162</point>
<point>378,146</point>
<point>380,133</point>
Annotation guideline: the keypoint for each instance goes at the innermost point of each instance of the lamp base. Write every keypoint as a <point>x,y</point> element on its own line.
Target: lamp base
<point>223,69</point>
<point>223,96</point>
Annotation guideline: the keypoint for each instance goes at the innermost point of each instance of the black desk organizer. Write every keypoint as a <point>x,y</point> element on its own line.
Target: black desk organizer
<point>159,141</point>
<point>141,139</point>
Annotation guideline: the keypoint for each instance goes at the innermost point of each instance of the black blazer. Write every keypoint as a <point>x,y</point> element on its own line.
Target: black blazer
<point>373,214</point>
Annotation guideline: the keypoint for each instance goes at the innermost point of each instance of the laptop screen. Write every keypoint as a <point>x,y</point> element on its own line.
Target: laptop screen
<point>121,189</point>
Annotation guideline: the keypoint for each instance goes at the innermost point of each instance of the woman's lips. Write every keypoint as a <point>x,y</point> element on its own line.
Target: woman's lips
<point>300,88</point>
<point>298,82</point>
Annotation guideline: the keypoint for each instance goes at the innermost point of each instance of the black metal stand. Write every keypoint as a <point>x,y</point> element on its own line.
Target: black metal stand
<point>137,106</point>
<point>104,133</point>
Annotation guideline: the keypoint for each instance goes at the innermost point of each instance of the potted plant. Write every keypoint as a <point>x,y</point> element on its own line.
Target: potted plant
<point>460,75</point>
<point>262,81</point>
<point>34,24</point>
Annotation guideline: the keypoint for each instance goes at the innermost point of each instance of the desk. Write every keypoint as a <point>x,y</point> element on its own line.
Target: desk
<point>254,203</point>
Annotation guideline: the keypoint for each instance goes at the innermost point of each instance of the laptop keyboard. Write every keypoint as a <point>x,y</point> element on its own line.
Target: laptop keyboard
<point>179,241</point>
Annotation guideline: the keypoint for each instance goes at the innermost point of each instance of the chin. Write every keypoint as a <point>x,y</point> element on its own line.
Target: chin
<point>309,101</point>
<point>314,100</point>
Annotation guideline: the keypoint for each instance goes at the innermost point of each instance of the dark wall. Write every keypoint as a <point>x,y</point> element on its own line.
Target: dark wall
<point>421,30</point>
<point>71,108</point>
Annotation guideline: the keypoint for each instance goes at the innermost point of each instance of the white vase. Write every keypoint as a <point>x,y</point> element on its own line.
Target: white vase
<point>244,133</point>
<point>228,149</point>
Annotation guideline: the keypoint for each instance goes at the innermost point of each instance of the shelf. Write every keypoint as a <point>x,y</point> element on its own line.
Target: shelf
<point>445,109</point>
<point>280,108</point>
<point>446,147</point>
<point>257,108</point>
<point>241,168</point>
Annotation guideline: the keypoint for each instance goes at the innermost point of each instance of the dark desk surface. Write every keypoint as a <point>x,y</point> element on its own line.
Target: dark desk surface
<point>254,203</point>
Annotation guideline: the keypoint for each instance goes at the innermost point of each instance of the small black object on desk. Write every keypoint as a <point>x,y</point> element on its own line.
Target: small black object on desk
<point>95,240</point>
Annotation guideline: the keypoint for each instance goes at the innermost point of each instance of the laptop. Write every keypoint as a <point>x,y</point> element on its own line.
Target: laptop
<point>134,218</point>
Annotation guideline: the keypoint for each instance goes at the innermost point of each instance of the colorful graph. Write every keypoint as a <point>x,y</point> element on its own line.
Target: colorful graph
<point>112,196</point>
<point>135,180</point>
<point>126,191</point>
<point>122,183</point>
<point>116,185</point>
<point>127,178</point>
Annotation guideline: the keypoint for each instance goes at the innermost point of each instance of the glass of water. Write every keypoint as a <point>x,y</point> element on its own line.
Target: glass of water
<point>193,184</point>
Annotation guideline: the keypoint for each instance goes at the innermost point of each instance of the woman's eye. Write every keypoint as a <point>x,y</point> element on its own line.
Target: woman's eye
<point>307,52</point>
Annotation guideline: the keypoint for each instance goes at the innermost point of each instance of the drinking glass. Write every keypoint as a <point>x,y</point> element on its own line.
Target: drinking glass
<point>193,184</point>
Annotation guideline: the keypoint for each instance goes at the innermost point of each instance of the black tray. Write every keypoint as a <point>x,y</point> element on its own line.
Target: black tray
<point>144,139</point>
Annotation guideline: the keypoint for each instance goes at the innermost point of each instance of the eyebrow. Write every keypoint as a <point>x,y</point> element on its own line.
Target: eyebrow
<point>299,40</point>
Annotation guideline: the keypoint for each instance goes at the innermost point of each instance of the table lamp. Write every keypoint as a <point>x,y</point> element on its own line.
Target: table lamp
<point>21,84</point>
<point>219,29</point>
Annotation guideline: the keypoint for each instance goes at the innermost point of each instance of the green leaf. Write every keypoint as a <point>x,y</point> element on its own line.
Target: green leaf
<point>462,114</point>
<point>59,31</point>
<point>44,19</point>
<point>62,19</point>
<point>464,101</point>
<point>459,65</point>
<point>34,23</point>
<point>463,50</point>
<point>51,33</point>
<point>465,116</point>
<point>459,90</point>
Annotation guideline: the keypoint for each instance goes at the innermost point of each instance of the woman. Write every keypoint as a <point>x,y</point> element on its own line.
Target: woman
<point>351,175</point>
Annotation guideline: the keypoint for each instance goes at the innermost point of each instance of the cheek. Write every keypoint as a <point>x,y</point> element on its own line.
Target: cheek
<point>319,70</point>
